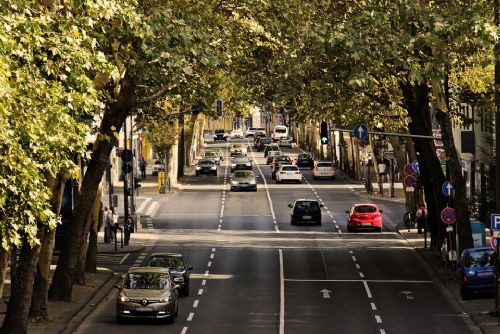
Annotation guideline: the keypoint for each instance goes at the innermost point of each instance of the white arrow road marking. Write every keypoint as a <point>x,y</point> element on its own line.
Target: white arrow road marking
<point>326,293</point>
<point>408,294</point>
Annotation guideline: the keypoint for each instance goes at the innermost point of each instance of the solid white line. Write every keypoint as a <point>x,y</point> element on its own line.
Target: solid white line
<point>184,330</point>
<point>378,319</point>
<point>195,304</point>
<point>368,292</point>
<point>190,317</point>
<point>143,204</point>
<point>374,307</point>
<point>124,258</point>
<point>200,292</point>
<point>204,282</point>
<point>267,190</point>
<point>357,280</point>
<point>282,294</point>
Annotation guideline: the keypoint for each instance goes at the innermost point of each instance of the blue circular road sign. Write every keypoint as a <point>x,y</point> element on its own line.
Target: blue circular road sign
<point>415,166</point>
<point>360,131</point>
<point>446,188</point>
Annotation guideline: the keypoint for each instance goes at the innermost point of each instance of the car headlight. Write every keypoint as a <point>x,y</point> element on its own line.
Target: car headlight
<point>233,165</point>
<point>249,164</point>
<point>198,167</point>
<point>234,183</point>
<point>124,298</point>
<point>166,299</point>
<point>252,182</point>
<point>213,167</point>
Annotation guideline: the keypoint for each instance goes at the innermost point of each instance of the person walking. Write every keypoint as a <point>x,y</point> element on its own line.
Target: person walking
<point>108,225</point>
<point>142,165</point>
<point>420,215</point>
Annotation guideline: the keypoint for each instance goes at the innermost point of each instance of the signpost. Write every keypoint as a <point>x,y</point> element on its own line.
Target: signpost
<point>448,216</point>
<point>447,188</point>
<point>360,131</point>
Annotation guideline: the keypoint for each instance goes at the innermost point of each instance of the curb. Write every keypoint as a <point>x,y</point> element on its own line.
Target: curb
<point>73,320</point>
<point>124,250</point>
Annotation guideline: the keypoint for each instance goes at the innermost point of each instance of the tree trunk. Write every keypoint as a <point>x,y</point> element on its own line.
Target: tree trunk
<point>97,221</point>
<point>39,301</point>
<point>80,265</point>
<point>114,116</point>
<point>182,149</point>
<point>190,139</point>
<point>461,203</point>
<point>16,319</point>
<point>4,261</point>
<point>416,101</point>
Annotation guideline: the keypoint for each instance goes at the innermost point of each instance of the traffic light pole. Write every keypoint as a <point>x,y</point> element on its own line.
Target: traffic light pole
<point>125,181</point>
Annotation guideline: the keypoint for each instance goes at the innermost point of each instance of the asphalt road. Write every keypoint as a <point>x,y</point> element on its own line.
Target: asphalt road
<point>256,273</point>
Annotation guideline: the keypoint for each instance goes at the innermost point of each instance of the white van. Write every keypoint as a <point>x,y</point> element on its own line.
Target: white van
<point>279,131</point>
<point>252,131</point>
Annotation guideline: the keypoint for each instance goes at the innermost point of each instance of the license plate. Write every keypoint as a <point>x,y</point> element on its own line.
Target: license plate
<point>144,309</point>
<point>366,224</point>
<point>243,185</point>
<point>306,217</point>
<point>484,274</point>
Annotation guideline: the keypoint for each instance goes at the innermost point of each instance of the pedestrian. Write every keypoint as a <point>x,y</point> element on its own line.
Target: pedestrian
<point>397,172</point>
<point>108,225</point>
<point>142,165</point>
<point>381,169</point>
<point>419,214</point>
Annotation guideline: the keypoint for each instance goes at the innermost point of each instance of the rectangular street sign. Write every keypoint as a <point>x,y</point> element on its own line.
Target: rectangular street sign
<point>495,221</point>
<point>496,234</point>
<point>449,228</point>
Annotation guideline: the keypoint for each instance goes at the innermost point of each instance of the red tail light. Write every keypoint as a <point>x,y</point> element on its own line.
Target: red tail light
<point>465,279</point>
<point>316,169</point>
<point>282,173</point>
<point>333,169</point>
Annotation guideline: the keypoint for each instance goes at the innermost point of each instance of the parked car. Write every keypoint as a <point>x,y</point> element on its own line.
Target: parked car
<point>285,142</point>
<point>252,130</point>
<point>158,166</point>
<point>241,163</point>
<point>220,134</point>
<point>304,160</point>
<point>237,149</point>
<point>288,173</point>
<point>364,216</point>
<point>206,166</point>
<point>277,162</point>
<point>270,147</point>
<point>324,169</point>
<point>213,155</point>
<point>236,134</point>
<point>271,156</point>
<point>305,211</point>
<point>147,293</point>
<point>261,144</point>
<point>244,180</point>
<point>178,269</point>
<point>477,271</point>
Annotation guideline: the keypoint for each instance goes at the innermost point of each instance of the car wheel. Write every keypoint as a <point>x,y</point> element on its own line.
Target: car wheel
<point>197,174</point>
<point>315,177</point>
<point>278,181</point>
<point>464,294</point>
<point>299,181</point>
<point>273,176</point>
<point>333,177</point>
<point>292,222</point>
<point>349,229</point>
<point>120,320</point>
<point>378,229</point>
<point>185,291</point>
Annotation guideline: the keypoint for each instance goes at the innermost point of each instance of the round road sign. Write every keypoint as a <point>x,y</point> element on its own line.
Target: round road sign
<point>409,181</point>
<point>494,241</point>
<point>446,188</point>
<point>415,166</point>
<point>360,131</point>
<point>448,215</point>
<point>409,169</point>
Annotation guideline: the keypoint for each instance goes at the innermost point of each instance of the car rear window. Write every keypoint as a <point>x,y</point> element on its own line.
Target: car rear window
<point>147,281</point>
<point>166,262</point>
<point>483,258</point>
<point>207,162</point>
<point>365,209</point>
<point>243,174</point>
<point>290,168</point>
<point>307,205</point>
<point>325,164</point>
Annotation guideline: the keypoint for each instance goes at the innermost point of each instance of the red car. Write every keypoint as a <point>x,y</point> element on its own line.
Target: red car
<point>364,216</point>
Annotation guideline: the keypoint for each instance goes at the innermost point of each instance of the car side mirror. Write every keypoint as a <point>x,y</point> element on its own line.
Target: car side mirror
<point>189,268</point>
<point>257,176</point>
<point>380,211</point>
<point>321,206</point>
<point>290,206</point>
<point>177,287</point>
<point>346,211</point>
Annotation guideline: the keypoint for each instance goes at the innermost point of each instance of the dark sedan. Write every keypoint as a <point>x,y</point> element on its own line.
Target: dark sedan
<point>477,271</point>
<point>305,211</point>
<point>244,180</point>
<point>178,268</point>
<point>206,166</point>
<point>305,160</point>
<point>147,293</point>
<point>241,163</point>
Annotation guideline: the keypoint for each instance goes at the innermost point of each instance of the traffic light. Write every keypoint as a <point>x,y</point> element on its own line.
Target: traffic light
<point>324,132</point>
<point>126,161</point>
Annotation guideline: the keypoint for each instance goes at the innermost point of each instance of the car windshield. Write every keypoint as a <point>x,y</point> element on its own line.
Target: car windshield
<point>219,131</point>
<point>479,258</point>
<point>283,158</point>
<point>303,157</point>
<point>166,262</point>
<point>236,145</point>
<point>290,168</point>
<point>158,162</point>
<point>243,173</point>
<point>265,140</point>
<point>207,162</point>
<point>280,130</point>
<point>325,164</point>
<point>307,205</point>
<point>365,209</point>
<point>274,153</point>
<point>241,160</point>
<point>147,281</point>
<point>210,154</point>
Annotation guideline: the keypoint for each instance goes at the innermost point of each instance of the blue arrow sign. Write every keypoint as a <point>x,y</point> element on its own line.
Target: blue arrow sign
<point>415,166</point>
<point>446,188</point>
<point>495,221</point>
<point>360,131</point>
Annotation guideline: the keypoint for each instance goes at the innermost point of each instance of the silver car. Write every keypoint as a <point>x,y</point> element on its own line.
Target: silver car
<point>241,163</point>
<point>147,293</point>
<point>244,180</point>
<point>213,155</point>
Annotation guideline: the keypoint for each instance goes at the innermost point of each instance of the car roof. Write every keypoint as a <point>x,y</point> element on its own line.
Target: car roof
<point>305,200</point>
<point>166,254</point>
<point>149,270</point>
<point>368,204</point>
<point>289,166</point>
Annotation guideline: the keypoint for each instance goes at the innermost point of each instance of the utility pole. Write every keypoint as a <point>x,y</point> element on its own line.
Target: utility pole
<point>497,145</point>
<point>125,176</point>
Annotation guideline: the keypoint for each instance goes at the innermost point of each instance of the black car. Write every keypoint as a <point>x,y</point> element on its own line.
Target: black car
<point>270,147</point>
<point>305,160</point>
<point>261,144</point>
<point>178,269</point>
<point>306,211</point>
<point>219,134</point>
<point>206,166</point>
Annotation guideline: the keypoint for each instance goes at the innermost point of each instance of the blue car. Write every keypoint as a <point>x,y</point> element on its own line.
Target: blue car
<point>477,271</point>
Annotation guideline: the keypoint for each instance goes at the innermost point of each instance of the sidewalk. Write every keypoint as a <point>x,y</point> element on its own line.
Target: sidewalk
<point>479,308</point>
